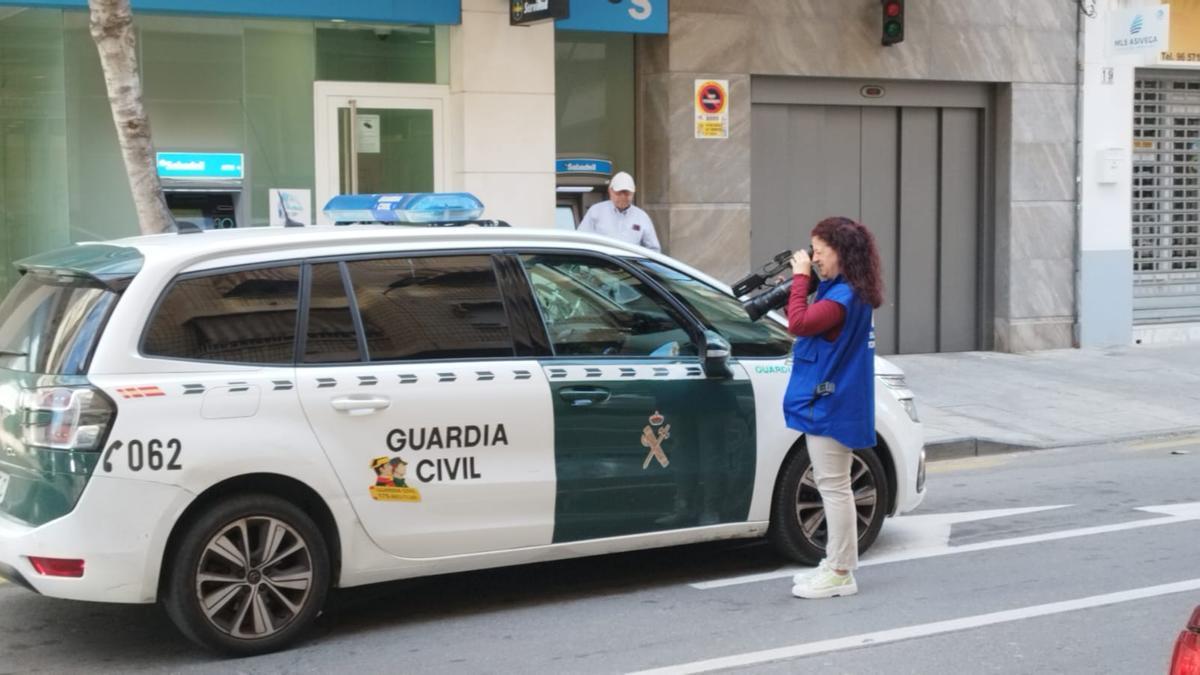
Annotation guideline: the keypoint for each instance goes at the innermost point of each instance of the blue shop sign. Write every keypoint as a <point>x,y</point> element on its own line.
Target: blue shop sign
<point>621,16</point>
<point>391,11</point>
<point>583,165</point>
<point>200,165</point>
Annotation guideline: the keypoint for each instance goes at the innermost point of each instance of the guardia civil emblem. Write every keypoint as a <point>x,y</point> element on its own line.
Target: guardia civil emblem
<point>653,435</point>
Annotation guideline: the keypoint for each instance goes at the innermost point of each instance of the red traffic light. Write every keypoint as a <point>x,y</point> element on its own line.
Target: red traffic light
<point>893,22</point>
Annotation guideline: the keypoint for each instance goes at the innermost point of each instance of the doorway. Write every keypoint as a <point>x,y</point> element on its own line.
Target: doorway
<point>379,138</point>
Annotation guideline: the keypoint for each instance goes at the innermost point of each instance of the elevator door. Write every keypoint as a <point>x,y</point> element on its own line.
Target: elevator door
<point>913,176</point>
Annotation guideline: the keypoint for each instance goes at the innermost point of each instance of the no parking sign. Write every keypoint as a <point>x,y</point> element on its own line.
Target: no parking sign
<point>712,108</point>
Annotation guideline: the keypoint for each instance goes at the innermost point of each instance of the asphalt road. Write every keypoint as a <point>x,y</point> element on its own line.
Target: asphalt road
<point>1095,585</point>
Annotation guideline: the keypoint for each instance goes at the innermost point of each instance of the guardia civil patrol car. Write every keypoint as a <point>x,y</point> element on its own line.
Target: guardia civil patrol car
<point>233,422</point>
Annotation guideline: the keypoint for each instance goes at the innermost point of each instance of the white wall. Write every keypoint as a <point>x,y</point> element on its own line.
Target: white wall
<point>1106,250</point>
<point>501,134</point>
<point>1107,123</point>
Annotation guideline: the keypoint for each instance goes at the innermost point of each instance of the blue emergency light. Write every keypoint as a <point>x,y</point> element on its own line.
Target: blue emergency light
<point>414,208</point>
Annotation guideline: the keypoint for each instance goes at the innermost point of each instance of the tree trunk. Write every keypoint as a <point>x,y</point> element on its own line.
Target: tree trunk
<point>112,29</point>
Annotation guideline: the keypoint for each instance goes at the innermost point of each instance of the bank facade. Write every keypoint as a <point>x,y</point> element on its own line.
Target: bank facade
<point>957,146</point>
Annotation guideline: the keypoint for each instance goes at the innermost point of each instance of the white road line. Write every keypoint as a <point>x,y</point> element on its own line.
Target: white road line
<point>1162,445</point>
<point>1178,513</point>
<point>923,630</point>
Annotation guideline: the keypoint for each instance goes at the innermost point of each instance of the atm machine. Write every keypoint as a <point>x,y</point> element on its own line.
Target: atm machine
<point>582,180</point>
<point>204,188</point>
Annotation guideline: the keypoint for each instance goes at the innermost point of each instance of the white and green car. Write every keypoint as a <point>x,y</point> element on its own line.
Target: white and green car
<point>233,422</point>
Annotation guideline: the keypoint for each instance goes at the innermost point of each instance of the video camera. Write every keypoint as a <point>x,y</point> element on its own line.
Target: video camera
<point>772,296</point>
<point>766,295</point>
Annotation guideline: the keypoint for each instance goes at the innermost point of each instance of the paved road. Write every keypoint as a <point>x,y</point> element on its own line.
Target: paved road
<point>1095,585</point>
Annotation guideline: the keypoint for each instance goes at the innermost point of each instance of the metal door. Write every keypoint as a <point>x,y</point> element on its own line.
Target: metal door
<point>913,174</point>
<point>1166,197</point>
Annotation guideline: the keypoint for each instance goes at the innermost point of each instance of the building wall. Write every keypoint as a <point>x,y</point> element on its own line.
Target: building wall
<point>501,132</point>
<point>1106,252</point>
<point>698,191</point>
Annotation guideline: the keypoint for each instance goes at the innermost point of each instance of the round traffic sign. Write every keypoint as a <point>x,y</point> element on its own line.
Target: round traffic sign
<point>711,98</point>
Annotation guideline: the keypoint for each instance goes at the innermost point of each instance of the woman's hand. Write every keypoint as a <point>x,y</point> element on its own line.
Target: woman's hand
<point>801,264</point>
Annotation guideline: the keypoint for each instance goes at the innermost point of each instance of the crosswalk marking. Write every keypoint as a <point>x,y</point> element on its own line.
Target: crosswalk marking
<point>1172,514</point>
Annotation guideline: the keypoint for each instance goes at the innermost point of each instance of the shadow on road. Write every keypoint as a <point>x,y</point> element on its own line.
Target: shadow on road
<point>38,633</point>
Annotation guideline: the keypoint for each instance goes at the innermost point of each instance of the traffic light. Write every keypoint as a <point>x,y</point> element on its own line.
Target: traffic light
<point>893,22</point>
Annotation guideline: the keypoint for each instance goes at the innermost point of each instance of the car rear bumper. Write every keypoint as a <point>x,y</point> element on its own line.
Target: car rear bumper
<point>119,529</point>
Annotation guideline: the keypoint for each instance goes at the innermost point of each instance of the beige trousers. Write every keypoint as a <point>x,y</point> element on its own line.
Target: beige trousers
<point>831,463</point>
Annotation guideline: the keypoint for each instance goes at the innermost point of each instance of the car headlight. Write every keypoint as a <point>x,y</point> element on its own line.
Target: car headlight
<point>899,388</point>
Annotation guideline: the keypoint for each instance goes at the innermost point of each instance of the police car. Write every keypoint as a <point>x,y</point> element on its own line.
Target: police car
<point>233,422</point>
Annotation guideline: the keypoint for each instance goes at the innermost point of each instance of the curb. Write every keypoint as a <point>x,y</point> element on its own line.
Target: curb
<point>959,448</point>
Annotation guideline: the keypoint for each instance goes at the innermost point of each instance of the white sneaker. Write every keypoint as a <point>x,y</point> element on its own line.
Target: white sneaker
<point>801,576</point>
<point>826,584</point>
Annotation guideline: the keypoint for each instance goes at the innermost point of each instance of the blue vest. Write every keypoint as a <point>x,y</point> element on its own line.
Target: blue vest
<point>832,388</point>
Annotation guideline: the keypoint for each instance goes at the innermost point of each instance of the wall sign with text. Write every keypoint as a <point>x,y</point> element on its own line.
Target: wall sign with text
<point>712,108</point>
<point>524,12</point>
<point>619,16</point>
<point>200,165</point>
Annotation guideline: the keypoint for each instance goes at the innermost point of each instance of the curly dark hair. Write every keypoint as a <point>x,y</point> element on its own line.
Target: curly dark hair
<point>857,255</point>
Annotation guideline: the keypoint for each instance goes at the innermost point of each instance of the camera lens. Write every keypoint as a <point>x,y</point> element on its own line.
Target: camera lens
<point>762,303</point>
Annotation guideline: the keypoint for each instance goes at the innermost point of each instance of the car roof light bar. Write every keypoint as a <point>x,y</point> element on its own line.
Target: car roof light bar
<point>414,208</point>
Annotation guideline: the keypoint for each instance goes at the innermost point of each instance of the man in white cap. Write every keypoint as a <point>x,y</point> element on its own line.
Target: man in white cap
<point>619,218</point>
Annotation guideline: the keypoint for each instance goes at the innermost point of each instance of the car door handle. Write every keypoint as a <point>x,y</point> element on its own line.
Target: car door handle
<point>584,396</point>
<point>360,405</point>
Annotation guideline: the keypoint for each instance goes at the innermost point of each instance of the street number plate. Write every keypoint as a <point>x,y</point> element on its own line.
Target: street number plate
<point>3,485</point>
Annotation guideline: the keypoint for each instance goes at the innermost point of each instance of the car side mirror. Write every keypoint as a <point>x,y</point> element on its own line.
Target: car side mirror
<point>716,355</point>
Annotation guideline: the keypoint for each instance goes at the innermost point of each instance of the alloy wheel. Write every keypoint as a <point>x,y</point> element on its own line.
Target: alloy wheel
<point>254,576</point>
<point>810,512</point>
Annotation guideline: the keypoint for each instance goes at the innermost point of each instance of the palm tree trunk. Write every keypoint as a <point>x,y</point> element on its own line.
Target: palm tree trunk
<point>112,29</point>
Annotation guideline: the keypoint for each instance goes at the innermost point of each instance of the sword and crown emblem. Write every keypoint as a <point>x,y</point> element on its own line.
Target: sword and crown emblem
<point>653,435</point>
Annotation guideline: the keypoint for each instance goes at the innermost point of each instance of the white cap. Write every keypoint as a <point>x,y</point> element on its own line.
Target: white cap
<point>621,182</point>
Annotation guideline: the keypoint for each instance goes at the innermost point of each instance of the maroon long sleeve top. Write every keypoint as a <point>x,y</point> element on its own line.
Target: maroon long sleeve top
<point>824,317</point>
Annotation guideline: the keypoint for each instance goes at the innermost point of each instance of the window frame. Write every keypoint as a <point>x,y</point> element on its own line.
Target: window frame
<point>689,322</point>
<point>219,271</point>
<point>493,253</point>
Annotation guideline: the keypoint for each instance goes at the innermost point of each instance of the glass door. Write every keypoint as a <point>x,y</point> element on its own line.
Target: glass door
<point>374,138</point>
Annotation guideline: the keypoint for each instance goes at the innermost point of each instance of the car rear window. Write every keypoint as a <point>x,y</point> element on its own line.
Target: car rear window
<point>50,323</point>
<point>242,316</point>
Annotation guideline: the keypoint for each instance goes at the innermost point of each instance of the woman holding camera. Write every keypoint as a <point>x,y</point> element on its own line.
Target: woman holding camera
<point>830,396</point>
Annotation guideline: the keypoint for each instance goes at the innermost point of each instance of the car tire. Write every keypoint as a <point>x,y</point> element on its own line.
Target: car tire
<point>239,609</point>
<point>798,519</point>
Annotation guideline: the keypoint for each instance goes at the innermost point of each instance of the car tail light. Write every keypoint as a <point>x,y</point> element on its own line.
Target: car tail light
<point>66,418</point>
<point>57,567</point>
<point>1186,659</point>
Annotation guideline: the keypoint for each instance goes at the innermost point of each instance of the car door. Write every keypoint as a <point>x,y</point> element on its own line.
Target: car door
<point>763,348</point>
<point>436,426</point>
<point>644,441</point>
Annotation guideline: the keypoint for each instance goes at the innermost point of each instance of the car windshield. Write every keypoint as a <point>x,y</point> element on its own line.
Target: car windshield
<point>723,313</point>
<point>51,322</point>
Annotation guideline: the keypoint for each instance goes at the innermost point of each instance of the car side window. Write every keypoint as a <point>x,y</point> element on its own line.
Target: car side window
<point>723,313</point>
<point>435,307</point>
<point>244,316</point>
<point>593,307</point>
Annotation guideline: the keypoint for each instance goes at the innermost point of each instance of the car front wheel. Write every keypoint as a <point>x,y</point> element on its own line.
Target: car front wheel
<point>249,576</point>
<point>798,528</point>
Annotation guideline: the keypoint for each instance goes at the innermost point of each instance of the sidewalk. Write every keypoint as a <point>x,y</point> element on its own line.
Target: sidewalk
<point>975,403</point>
